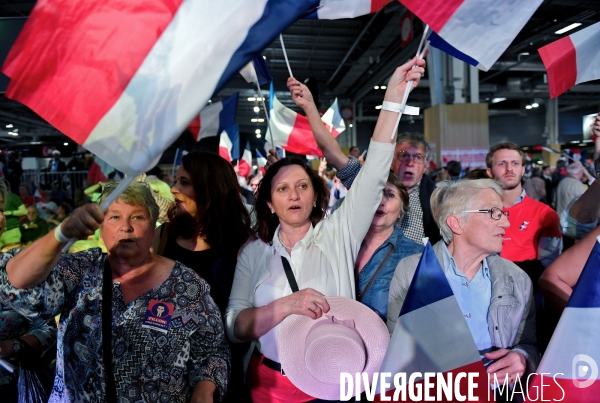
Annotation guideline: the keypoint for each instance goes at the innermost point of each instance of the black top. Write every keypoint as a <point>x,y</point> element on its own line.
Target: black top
<point>429,226</point>
<point>215,269</point>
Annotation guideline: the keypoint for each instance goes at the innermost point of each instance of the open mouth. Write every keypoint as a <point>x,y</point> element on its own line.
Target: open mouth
<point>126,241</point>
<point>294,208</point>
<point>379,213</point>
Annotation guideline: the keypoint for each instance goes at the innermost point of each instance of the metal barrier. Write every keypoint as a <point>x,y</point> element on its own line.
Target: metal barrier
<point>70,181</point>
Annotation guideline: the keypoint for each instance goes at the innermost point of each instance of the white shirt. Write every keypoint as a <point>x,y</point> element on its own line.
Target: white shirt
<point>323,260</point>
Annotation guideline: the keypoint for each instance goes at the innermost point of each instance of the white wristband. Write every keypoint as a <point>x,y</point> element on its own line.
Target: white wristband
<point>60,237</point>
<point>394,107</point>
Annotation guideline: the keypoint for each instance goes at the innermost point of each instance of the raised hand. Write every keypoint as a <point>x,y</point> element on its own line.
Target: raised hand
<point>300,93</point>
<point>402,75</point>
<point>83,222</point>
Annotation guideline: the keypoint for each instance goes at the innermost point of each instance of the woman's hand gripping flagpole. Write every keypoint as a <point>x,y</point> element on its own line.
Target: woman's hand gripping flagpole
<point>420,55</point>
<point>106,203</point>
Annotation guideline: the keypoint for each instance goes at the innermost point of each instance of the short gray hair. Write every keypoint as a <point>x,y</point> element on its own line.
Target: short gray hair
<point>138,193</point>
<point>416,140</point>
<point>454,197</point>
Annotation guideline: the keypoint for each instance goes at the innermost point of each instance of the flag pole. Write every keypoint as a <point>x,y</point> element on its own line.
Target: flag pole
<point>262,100</point>
<point>124,184</point>
<point>420,54</point>
<point>285,55</point>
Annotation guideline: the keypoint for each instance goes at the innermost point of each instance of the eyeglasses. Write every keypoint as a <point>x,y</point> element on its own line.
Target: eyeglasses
<point>495,212</point>
<point>405,156</point>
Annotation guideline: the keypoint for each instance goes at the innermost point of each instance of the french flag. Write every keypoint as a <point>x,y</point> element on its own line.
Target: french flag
<point>225,146</point>
<point>572,59</point>
<point>479,30</point>
<point>418,345</point>
<point>261,161</point>
<point>332,9</point>
<point>291,131</point>
<point>125,78</point>
<point>245,164</point>
<point>214,118</point>
<point>234,137</point>
<point>333,119</point>
<point>257,71</point>
<point>570,363</point>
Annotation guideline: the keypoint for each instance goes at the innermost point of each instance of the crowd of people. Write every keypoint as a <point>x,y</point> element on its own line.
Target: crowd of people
<point>188,297</point>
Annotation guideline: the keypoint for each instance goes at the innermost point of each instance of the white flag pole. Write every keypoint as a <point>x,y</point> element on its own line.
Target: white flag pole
<point>420,54</point>
<point>285,55</point>
<point>124,184</point>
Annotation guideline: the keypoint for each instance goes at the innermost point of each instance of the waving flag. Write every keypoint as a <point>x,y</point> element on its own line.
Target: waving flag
<point>480,30</point>
<point>245,164</point>
<point>573,354</point>
<point>125,78</point>
<point>334,9</point>
<point>291,131</point>
<point>333,118</point>
<point>257,71</point>
<point>417,345</point>
<point>214,118</point>
<point>572,59</point>
<point>225,146</point>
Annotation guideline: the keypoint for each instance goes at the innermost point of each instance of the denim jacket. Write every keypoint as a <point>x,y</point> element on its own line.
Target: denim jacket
<point>376,297</point>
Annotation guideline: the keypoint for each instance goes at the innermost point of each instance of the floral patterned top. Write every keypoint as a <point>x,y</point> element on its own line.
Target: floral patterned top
<point>158,355</point>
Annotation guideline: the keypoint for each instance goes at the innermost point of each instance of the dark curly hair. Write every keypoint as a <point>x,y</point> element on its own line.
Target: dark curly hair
<point>221,216</point>
<point>266,222</point>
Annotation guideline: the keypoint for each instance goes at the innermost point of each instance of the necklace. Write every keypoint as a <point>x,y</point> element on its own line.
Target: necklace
<point>281,240</point>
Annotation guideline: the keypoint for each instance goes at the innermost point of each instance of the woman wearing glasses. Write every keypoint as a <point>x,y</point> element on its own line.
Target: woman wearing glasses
<point>134,325</point>
<point>494,294</point>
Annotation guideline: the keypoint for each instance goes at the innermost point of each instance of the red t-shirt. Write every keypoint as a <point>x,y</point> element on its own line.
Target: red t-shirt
<point>529,221</point>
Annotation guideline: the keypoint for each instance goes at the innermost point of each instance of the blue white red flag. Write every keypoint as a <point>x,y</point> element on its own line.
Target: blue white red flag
<point>225,146</point>
<point>480,30</point>
<point>570,363</point>
<point>245,164</point>
<point>214,118</point>
<point>333,118</point>
<point>257,71</point>
<point>291,131</point>
<point>234,137</point>
<point>261,161</point>
<point>417,345</point>
<point>125,78</point>
<point>572,59</point>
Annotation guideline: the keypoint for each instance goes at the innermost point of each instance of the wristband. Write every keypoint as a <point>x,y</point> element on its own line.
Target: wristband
<point>60,237</point>
<point>394,107</point>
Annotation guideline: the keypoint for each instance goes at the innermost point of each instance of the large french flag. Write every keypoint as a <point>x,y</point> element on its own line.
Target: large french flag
<point>245,163</point>
<point>124,78</point>
<point>334,9</point>
<point>291,131</point>
<point>480,30</point>
<point>333,118</point>
<point>573,355</point>
<point>214,118</point>
<point>418,345</point>
<point>572,60</point>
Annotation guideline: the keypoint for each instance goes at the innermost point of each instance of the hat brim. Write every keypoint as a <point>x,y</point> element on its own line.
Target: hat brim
<point>295,328</point>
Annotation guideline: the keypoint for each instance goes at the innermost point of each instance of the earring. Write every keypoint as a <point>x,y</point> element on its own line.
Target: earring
<point>315,205</point>
<point>272,211</point>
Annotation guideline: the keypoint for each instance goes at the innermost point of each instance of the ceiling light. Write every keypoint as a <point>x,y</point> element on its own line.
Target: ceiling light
<point>383,87</point>
<point>535,104</point>
<point>350,125</point>
<point>376,87</point>
<point>256,109</point>
<point>528,107</point>
<point>582,144</point>
<point>259,120</point>
<point>378,107</point>
<point>209,101</point>
<point>13,134</point>
<point>258,135</point>
<point>251,99</point>
<point>9,126</point>
<point>65,144</point>
<point>254,120</point>
<point>257,131</point>
<point>568,28</point>
<point>496,100</point>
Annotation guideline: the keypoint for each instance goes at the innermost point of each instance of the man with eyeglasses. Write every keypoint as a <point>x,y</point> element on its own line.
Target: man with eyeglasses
<point>534,232</point>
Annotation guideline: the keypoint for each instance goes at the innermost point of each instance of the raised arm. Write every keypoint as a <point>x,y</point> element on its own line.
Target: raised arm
<point>32,265</point>
<point>302,96</point>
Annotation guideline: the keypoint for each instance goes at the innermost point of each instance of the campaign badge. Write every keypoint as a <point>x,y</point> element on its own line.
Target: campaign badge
<point>158,316</point>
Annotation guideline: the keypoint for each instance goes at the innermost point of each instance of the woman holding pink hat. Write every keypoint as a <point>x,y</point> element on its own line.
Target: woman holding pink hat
<point>300,257</point>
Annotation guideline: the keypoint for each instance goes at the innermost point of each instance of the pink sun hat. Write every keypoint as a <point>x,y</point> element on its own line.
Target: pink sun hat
<point>349,338</point>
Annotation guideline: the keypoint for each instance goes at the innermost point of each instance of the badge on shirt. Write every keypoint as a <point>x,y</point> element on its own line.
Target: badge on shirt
<point>158,316</point>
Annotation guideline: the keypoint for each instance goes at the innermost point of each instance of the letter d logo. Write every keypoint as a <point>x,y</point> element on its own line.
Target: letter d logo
<point>581,370</point>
